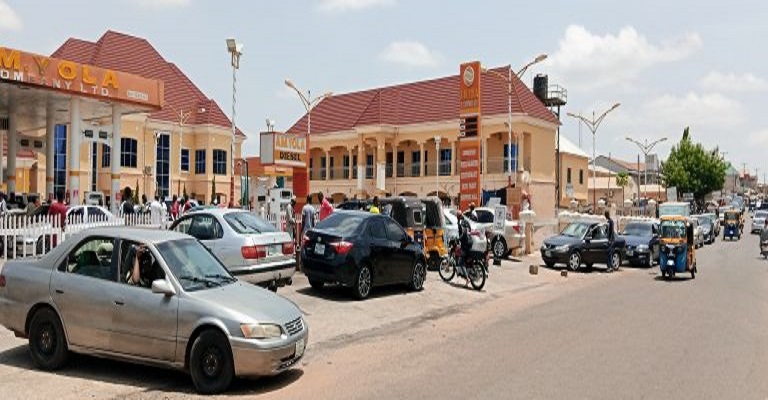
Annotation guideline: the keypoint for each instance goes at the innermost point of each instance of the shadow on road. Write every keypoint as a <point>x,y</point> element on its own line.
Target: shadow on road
<point>144,378</point>
<point>344,294</point>
<point>583,270</point>
<point>676,278</point>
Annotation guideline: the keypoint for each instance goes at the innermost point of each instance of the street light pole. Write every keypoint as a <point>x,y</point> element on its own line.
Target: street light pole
<point>593,124</point>
<point>508,80</point>
<point>645,148</point>
<point>235,50</point>
<point>309,104</point>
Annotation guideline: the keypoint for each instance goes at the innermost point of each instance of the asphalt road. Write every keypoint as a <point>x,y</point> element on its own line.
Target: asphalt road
<point>591,335</point>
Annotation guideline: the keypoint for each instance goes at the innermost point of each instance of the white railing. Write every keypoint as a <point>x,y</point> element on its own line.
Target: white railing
<point>24,236</point>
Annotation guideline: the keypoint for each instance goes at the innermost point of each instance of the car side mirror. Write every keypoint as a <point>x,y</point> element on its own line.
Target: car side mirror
<point>163,287</point>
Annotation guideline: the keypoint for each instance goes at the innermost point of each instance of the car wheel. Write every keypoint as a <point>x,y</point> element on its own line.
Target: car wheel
<point>210,362</point>
<point>418,276</point>
<point>363,282</point>
<point>447,270</point>
<point>615,260</point>
<point>47,343</point>
<point>315,284</point>
<point>574,261</point>
<point>499,246</point>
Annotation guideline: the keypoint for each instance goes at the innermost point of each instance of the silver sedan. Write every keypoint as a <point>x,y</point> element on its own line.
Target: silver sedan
<point>250,247</point>
<point>149,296</point>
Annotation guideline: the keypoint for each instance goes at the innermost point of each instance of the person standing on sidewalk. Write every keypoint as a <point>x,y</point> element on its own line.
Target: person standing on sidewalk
<point>290,220</point>
<point>326,208</point>
<point>611,241</point>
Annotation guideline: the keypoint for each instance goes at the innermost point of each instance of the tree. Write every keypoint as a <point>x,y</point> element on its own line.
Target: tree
<point>622,180</point>
<point>136,193</point>
<point>693,169</point>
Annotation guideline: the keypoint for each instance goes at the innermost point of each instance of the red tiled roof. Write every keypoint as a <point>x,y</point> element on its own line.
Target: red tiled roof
<point>419,102</point>
<point>135,55</point>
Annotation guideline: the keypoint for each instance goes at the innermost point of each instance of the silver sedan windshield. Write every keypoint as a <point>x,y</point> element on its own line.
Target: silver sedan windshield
<point>193,265</point>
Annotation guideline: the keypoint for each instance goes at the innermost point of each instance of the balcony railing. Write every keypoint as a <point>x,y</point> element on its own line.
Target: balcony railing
<point>388,170</point>
<point>400,170</point>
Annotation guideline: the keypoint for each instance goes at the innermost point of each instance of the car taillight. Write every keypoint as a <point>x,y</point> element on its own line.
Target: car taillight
<point>475,233</point>
<point>2,280</point>
<point>342,247</point>
<point>253,252</point>
<point>516,228</point>
<point>304,240</point>
<point>288,248</point>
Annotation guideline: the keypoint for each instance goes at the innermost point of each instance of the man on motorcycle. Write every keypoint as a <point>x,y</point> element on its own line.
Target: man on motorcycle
<point>465,240</point>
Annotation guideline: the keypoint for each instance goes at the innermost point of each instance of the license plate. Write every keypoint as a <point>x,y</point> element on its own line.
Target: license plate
<point>275,250</point>
<point>319,248</point>
<point>630,253</point>
<point>548,253</point>
<point>299,348</point>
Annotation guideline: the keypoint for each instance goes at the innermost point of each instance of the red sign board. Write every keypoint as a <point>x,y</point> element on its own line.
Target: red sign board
<point>470,132</point>
<point>469,172</point>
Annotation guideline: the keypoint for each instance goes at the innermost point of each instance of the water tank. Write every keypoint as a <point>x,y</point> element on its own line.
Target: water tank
<point>540,87</point>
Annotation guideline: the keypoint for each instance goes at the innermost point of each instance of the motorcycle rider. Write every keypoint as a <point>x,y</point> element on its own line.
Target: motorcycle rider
<point>465,240</point>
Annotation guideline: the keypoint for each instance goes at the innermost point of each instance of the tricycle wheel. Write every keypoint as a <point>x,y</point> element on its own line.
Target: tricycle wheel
<point>693,273</point>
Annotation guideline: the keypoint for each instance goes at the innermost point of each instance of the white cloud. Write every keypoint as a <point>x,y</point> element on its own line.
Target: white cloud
<point>589,60</point>
<point>695,110</point>
<point>162,4</point>
<point>346,5</point>
<point>9,20</point>
<point>760,137</point>
<point>731,82</point>
<point>410,53</point>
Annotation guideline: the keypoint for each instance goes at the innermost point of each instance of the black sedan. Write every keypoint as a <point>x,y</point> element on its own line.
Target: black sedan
<point>583,242</point>
<point>642,239</point>
<point>362,250</point>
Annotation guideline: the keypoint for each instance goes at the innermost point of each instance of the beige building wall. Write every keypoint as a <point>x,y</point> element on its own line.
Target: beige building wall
<point>577,165</point>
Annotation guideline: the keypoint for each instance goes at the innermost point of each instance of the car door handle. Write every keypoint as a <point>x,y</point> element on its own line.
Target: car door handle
<point>119,302</point>
<point>59,291</point>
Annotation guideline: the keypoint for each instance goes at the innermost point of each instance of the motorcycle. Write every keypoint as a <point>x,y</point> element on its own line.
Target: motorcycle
<point>475,268</point>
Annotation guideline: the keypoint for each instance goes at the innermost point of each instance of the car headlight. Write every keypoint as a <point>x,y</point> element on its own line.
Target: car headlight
<point>261,331</point>
<point>563,248</point>
<point>642,248</point>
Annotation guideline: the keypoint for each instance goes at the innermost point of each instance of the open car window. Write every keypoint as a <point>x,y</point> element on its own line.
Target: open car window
<point>93,258</point>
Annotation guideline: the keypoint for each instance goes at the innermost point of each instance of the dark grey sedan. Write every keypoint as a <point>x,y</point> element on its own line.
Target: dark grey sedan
<point>149,296</point>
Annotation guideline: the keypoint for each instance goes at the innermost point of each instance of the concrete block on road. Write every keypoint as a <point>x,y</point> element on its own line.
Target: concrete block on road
<point>533,269</point>
<point>564,273</point>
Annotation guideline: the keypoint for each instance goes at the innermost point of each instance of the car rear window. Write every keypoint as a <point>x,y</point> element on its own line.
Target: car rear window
<point>342,223</point>
<point>246,223</point>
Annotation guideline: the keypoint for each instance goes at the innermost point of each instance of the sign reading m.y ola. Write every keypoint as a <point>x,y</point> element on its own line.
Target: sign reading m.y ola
<point>469,134</point>
<point>79,79</point>
<point>284,149</point>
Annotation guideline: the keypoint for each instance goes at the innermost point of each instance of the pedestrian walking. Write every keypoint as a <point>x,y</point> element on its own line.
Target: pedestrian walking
<point>611,234</point>
<point>290,220</point>
<point>307,216</point>
<point>326,208</point>
<point>175,208</point>
<point>375,206</point>
<point>156,215</point>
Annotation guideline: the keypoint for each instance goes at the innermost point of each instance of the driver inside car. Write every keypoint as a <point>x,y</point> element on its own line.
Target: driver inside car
<point>144,269</point>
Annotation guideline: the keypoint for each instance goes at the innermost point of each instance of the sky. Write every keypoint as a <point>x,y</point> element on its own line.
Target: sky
<point>670,64</point>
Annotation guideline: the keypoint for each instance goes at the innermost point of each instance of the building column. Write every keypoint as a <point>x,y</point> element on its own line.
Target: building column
<point>50,150</point>
<point>13,144</point>
<point>453,158</point>
<point>350,151</point>
<point>327,176</point>
<point>360,166</point>
<point>75,135</point>
<point>423,156</point>
<point>115,157</point>
<point>381,164</point>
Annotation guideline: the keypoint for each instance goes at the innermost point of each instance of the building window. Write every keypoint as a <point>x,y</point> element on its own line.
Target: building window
<point>354,167</point>
<point>199,161</point>
<point>581,177</point>
<point>568,176</point>
<point>94,158</point>
<point>330,166</point>
<point>185,160</point>
<point>415,163</point>
<point>345,166</point>
<point>219,162</point>
<point>389,165</point>
<point>445,162</point>
<point>128,148</point>
<point>400,164</point>
<point>163,165</point>
<point>510,154</point>
<point>106,156</point>
<point>426,163</point>
<point>368,166</point>
<point>60,159</point>
<point>323,167</point>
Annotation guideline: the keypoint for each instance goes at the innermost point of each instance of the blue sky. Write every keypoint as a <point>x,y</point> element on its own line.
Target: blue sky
<point>670,63</point>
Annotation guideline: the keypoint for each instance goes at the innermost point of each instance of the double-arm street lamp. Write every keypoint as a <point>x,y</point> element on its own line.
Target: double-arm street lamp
<point>593,124</point>
<point>309,104</point>
<point>508,80</point>
<point>235,50</point>
<point>645,148</point>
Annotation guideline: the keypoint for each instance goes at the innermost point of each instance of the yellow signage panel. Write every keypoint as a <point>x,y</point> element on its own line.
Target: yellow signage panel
<point>284,149</point>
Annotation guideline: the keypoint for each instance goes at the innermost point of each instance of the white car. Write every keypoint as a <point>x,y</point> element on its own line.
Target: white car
<point>512,237</point>
<point>88,213</point>
<point>758,221</point>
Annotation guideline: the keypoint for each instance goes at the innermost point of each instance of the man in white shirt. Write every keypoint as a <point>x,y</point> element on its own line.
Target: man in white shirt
<point>156,214</point>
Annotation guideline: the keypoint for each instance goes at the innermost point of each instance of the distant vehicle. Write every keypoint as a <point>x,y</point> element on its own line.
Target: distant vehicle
<point>715,222</point>
<point>583,242</point>
<point>88,213</point>
<point>175,307</point>
<point>642,239</point>
<point>355,205</point>
<point>698,232</point>
<point>248,246</point>
<point>94,198</point>
<point>674,208</point>
<point>707,225</point>
<point>758,221</point>
<point>361,250</point>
